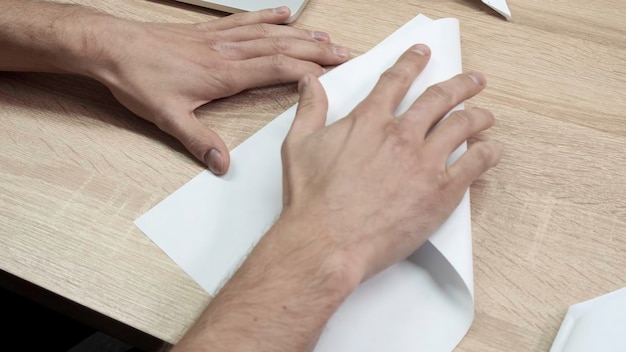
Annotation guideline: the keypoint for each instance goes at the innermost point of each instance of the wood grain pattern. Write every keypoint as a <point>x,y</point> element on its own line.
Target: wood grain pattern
<point>549,223</point>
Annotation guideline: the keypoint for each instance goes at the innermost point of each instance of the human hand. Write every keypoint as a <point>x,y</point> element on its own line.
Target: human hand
<point>359,195</point>
<point>376,186</point>
<point>164,72</point>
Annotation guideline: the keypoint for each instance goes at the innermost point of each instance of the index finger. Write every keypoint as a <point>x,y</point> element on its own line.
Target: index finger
<point>439,99</point>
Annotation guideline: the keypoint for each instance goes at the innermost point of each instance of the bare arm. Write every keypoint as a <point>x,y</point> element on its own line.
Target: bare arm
<point>45,37</point>
<point>279,300</point>
<point>164,71</point>
<point>359,196</point>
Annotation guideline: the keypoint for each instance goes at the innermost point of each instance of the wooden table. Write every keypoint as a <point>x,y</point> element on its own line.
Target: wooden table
<point>549,223</point>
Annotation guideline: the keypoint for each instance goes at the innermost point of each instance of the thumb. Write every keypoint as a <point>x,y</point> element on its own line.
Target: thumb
<point>312,108</point>
<point>202,142</point>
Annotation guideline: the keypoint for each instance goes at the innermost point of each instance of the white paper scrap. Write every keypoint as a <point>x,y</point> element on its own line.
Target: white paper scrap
<point>500,6</point>
<point>424,303</point>
<point>598,324</point>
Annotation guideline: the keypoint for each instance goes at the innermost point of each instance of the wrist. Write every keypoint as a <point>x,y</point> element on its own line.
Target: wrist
<point>281,297</point>
<point>58,38</point>
<point>89,45</point>
<point>308,251</point>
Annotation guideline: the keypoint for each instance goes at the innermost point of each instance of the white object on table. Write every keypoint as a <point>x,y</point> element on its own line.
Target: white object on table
<point>424,303</point>
<point>233,6</point>
<point>500,6</point>
<point>598,324</point>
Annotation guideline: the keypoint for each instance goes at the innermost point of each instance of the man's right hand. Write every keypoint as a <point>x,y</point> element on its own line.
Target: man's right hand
<point>359,195</point>
<point>377,185</point>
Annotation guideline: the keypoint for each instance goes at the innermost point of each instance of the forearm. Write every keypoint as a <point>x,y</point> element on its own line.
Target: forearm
<point>41,36</point>
<point>279,300</point>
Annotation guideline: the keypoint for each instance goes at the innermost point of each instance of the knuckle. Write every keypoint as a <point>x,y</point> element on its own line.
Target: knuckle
<point>223,48</point>
<point>200,26</point>
<point>398,137</point>
<point>238,19</point>
<point>443,179</point>
<point>280,44</point>
<point>194,142</point>
<point>484,154</point>
<point>306,103</point>
<point>286,149</point>
<point>462,118</point>
<point>215,45</point>
<point>215,36</point>
<point>279,62</point>
<point>226,79</point>
<point>262,30</point>
<point>325,47</point>
<point>396,74</point>
<point>439,93</point>
<point>370,106</point>
<point>166,122</point>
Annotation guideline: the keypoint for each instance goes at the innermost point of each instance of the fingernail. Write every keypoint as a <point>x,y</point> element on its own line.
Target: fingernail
<point>281,10</point>
<point>421,49</point>
<point>303,84</point>
<point>477,77</point>
<point>213,159</point>
<point>340,51</point>
<point>320,36</point>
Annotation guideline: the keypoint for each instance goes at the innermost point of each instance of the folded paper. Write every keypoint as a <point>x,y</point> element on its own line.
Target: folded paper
<point>424,303</point>
<point>598,324</point>
<point>500,6</point>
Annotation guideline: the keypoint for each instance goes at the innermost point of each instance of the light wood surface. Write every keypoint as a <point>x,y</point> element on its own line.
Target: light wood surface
<point>549,223</point>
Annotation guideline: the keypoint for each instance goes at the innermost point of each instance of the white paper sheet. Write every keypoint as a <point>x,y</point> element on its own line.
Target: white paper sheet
<point>424,303</point>
<point>500,6</point>
<point>598,324</point>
